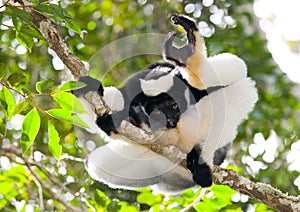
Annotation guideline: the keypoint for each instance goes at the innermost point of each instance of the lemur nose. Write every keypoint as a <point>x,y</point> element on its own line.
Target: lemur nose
<point>171,123</point>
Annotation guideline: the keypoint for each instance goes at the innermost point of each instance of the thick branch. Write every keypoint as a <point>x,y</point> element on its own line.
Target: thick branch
<point>51,33</point>
<point>265,193</point>
<point>262,192</point>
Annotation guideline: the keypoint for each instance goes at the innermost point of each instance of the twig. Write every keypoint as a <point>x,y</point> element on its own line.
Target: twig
<point>5,3</point>
<point>9,149</point>
<point>48,188</point>
<point>197,200</point>
<point>40,190</point>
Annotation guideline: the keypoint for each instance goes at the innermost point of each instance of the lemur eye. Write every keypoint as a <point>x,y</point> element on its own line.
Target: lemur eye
<point>175,106</point>
<point>157,112</point>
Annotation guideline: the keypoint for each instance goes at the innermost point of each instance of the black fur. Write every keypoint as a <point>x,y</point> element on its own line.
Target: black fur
<point>188,24</point>
<point>137,116</point>
<point>201,172</point>
<point>105,122</point>
<point>163,111</point>
<point>157,112</point>
<point>91,85</point>
<point>180,55</point>
<point>161,64</point>
<point>177,55</point>
<point>220,154</point>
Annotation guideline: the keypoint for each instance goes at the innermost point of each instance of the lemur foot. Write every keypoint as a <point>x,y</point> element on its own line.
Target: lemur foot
<point>188,24</point>
<point>202,174</point>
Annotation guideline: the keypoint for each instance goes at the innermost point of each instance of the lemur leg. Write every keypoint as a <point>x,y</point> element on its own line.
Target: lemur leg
<point>220,154</point>
<point>202,174</point>
<point>179,56</point>
<point>201,171</point>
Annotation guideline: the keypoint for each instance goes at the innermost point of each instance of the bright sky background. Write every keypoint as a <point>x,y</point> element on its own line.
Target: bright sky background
<point>279,19</point>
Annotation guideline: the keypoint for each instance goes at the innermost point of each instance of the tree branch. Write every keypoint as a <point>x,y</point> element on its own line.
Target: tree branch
<point>265,193</point>
<point>262,192</point>
<point>12,151</point>
<point>56,42</point>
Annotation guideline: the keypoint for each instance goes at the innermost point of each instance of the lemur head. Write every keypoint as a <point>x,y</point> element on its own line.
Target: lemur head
<point>163,112</point>
<point>163,98</point>
<point>155,113</point>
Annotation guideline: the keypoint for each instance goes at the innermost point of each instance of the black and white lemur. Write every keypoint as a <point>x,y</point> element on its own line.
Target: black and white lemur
<point>191,101</point>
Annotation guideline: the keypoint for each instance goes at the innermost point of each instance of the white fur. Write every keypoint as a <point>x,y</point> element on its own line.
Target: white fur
<point>212,122</point>
<point>113,98</point>
<point>155,87</point>
<point>222,69</point>
<point>128,166</point>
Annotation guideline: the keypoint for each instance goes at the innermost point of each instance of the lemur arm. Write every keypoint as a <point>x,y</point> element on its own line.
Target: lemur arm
<point>175,55</point>
<point>104,121</point>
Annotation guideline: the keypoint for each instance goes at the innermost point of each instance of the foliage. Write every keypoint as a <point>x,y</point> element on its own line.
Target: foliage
<point>37,112</point>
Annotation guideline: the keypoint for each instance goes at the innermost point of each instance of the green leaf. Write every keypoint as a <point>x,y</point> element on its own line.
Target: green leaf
<point>23,15</point>
<point>10,101</point>
<point>16,22</point>
<point>6,187</point>
<point>58,12</point>
<point>128,208</point>
<point>25,40</point>
<point>69,102</point>
<point>72,85</point>
<point>73,25</point>
<point>102,199</point>
<point>54,141</point>
<point>3,71</point>
<point>16,79</point>
<point>30,129</point>
<point>44,8</point>
<point>32,32</point>
<point>67,116</point>
<point>55,10</point>
<point>223,191</point>
<point>44,85</point>
<point>2,127</point>
<point>21,108</point>
<point>148,198</point>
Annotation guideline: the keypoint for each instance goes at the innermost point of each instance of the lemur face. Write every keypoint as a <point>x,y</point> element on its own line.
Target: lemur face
<point>163,112</point>
<point>157,113</point>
